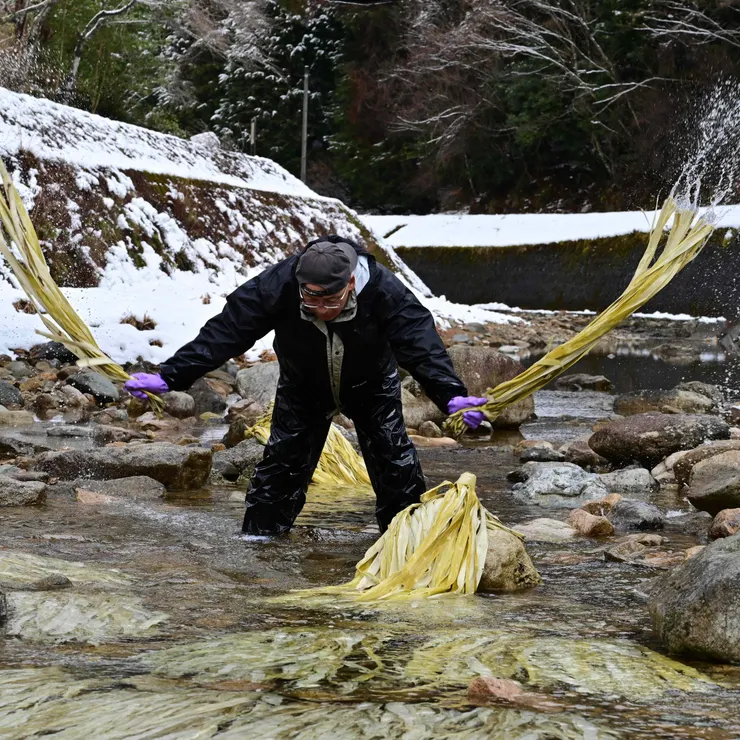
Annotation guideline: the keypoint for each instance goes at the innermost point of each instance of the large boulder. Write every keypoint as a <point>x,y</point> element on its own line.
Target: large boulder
<point>258,382</point>
<point>481,368</point>
<point>10,396</point>
<point>557,484</point>
<point>20,493</point>
<point>715,483</point>
<point>417,407</point>
<point>627,514</point>
<point>508,567</point>
<point>676,401</point>
<point>683,467</point>
<point>649,438</point>
<point>15,444</point>
<point>177,467</point>
<point>696,607</point>
<point>96,385</point>
<point>630,482</point>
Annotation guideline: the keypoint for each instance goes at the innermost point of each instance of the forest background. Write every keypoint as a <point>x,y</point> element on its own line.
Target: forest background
<point>415,106</point>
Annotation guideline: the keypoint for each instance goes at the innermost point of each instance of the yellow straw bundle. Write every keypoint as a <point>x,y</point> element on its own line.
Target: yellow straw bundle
<point>29,266</point>
<point>434,547</point>
<point>338,464</point>
<point>689,233</point>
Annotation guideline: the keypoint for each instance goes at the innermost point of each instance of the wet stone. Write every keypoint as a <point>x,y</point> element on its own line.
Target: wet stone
<point>20,493</point>
<point>715,483</point>
<point>70,430</point>
<point>96,385</point>
<point>725,524</point>
<point>136,488</point>
<point>259,382</point>
<point>584,382</point>
<point>180,405</point>
<point>557,484</point>
<point>178,468</point>
<point>10,396</point>
<point>628,514</point>
<point>19,369</point>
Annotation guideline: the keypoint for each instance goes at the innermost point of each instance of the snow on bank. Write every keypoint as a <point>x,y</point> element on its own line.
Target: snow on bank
<point>517,229</point>
<point>57,132</point>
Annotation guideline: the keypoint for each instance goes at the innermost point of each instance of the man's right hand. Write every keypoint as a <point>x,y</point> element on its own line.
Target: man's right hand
<point>471,418</point>
<point>143,383</point>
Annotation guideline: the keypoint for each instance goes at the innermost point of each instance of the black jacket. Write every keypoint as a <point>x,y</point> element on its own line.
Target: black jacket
<point>390,327</point>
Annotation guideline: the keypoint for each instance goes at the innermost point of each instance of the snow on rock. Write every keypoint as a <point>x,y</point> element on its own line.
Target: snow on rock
<point>136,223</point>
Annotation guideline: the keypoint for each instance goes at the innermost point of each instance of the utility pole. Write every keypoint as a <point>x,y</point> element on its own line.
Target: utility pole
<point>304,130</point>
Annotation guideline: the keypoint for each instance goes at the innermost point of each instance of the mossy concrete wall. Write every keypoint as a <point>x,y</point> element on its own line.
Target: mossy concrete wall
<point>575,275</point>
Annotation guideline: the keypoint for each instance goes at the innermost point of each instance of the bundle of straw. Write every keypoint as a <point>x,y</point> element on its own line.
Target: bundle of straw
<point>338,464</point>
<point>29,266</point>
<point>436,546</point>
<point>689,233</point>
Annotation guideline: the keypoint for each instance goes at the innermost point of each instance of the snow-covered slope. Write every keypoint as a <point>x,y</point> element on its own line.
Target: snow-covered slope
<point>139,224</point>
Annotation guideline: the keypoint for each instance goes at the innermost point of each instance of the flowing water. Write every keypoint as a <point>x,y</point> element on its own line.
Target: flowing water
<point>178,626</point>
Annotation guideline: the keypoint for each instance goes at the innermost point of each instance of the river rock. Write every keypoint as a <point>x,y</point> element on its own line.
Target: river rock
<point>508,567</point>
<point>715,483</point>
<point>136,488</point>
<point>481,368</point>
<point>713,392</point>
<point>579,453</point>
<point>73,431</point>
<point>14,444</point>
<point>630,482</point>
<point>178,468</point>
<point>673,402</point>
<point>629,514</point>
<point>14,418</point>
<point>417,406</point>
<point>664,472</point>
<point>541,452</point>
<point>546,530</point>
<point>20,493</point>
<point>19,369</point>
<point>10,396</point>
<point>590,525</point>
<point>245,408</point>
<point>178,404</point>
<point>104,434</point>
<point>696,607</point>
<point>207,400</point>
<point>71,396</point>
<point>237,461</point>
<point>430,429</point>
<point>725,524</point>
<point>52,351</point>
<point>96,385</point>
<point>557,484</point>
<point>649,438</point>
<point>584,382</point>
<point>259,382</point>
<point>683,467</point>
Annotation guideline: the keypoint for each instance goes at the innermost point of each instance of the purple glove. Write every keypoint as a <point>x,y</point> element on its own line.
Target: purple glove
<point>141,382</point>
<point>472,419</point>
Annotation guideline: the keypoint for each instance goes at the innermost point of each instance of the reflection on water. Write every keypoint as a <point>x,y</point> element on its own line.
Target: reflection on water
<point>630,371</point>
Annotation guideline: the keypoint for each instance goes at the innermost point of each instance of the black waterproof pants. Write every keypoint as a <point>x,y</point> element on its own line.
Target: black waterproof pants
<point>277,491</point>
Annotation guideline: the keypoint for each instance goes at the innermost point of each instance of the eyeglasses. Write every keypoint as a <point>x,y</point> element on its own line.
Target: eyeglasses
<point>312,301</point>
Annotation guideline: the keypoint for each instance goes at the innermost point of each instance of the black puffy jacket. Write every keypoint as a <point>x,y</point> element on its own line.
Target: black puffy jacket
<point>390,327</point>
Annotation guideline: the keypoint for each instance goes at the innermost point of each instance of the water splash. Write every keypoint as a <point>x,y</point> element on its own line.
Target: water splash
<point>713,167</point>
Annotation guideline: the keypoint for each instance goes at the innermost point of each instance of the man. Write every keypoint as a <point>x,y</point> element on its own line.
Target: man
<point>343,323</point>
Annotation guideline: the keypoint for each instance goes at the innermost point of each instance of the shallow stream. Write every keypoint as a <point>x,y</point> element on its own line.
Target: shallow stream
<point>204,638</point>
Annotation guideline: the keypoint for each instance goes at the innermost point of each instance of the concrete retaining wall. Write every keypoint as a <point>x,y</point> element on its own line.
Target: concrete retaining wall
<point>575,275</point>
